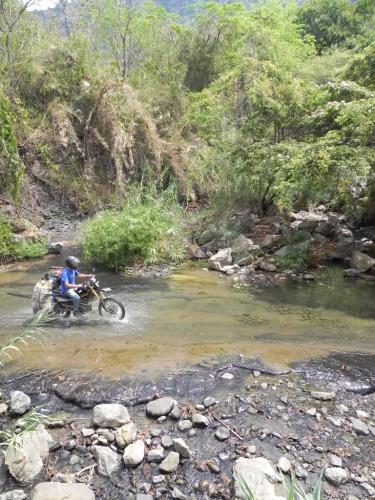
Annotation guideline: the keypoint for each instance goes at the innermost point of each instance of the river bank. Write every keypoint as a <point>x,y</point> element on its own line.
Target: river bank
<point>236,407</point>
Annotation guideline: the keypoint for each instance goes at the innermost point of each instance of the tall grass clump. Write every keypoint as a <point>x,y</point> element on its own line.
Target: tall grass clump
<point>148,230</point>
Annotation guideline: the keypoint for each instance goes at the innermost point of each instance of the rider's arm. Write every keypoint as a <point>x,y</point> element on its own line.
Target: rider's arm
<point>69,285</point>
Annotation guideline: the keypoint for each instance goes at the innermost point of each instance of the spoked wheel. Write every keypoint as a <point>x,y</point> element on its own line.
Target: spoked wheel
<point>111,308</point>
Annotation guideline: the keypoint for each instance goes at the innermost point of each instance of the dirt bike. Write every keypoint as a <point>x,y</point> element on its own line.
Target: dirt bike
<point>89,291</point>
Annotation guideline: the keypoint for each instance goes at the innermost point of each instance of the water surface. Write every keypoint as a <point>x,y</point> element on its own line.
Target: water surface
<point>194,314</point>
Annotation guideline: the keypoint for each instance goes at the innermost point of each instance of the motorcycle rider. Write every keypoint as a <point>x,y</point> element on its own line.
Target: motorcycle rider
<point>68,282</point>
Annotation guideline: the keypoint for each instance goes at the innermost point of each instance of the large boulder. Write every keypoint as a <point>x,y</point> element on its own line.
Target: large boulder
<point>110,415</point>
<point>345,248</point>
<point>24,458</point>
<point>241,248</point>
<point>256,475</point>
<point>361,262</point>
<point>62,491</point>
<point>55,248</point>
<point>107,459</point>
<point>207,235</point>
<point>343,235</point>
<point>307,221</point>
<point>222,258</point>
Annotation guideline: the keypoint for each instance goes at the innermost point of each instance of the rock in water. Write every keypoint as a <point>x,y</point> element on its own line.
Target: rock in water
<point>258,475</point>
<point>222,258</point>
<point>55,248</point>
<point>110,415</point>
<point>107,459</point>
<point>19,402</point>
<point>25,458</point>
<point>170,463</point>
<point>126,434</point>
<point>159,407</point>
<point>13,495</point>
<point>336,475</point>
<point>62,491</point>
<point>361,262</point>
<point>134,454</point>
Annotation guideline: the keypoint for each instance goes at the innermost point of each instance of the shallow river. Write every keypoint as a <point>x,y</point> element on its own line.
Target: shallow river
<point>191,315</point>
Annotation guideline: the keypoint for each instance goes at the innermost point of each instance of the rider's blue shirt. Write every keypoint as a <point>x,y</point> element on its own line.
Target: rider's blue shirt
<point>70,276</point>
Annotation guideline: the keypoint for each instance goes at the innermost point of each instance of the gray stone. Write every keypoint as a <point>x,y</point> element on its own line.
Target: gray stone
<point>301,473</point>
<point>241,248</point>
<point>335,461</point>
<point>209,401</point>
<point>158,479</point>
<point>19,402</point>
<point>178,495</point>
<point>25,458</point>
<point>207,236</point>
<point>3,409</point>
<point>323,396</point>
<point>345,249</point>
<point>258,475</point>
<point>265,265</point>
<point>222,258</point>
<point>351,273</point>
<point>176,413</point>
<point>13,495</point>
<point>271,241</point>
<point>359,426</point>
<point>284,464</point>
<point>166,442</point>
<point>222,433</point>
<point>134,454</point>
<point>170,463</point>
<point>62,491</point>
<point>200,420</point>
<point>159,407</point>
<point>181,447</point>
<point>108,460</point>
<point>87,432</point>
<point>55,248</point>
<point>361,262</point>
<point>184,425</point>
<point>156,455</point>
<point>110,415</point>
<point>155,431</point>
<point>227,376</point>
<point>336,475</point>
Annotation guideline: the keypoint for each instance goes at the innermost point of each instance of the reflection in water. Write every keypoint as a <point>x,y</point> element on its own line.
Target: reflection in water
<point>193,314</point>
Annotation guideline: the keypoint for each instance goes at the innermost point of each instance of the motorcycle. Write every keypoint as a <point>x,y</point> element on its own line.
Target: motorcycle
<point>88,292</point>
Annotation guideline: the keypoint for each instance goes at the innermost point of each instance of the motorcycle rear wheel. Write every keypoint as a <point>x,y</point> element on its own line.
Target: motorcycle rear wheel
<point>111,308</point>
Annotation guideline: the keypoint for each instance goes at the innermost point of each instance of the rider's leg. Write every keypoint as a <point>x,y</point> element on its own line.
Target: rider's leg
<point>75,298</point>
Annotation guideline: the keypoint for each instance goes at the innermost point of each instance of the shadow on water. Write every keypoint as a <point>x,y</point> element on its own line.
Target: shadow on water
<point>330,291</point>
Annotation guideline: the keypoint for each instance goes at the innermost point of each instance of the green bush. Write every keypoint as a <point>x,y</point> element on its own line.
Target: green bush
<point>6,241</point>
<point>10,249</point>
<point>147,230</point>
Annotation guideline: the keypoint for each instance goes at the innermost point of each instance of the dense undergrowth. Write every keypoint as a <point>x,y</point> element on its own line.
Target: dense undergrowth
<point>11,248</point>
<point>149,229</point>
<point>245,105</point>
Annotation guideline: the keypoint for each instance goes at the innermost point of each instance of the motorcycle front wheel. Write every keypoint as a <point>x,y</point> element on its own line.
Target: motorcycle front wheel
<point>111,308</point>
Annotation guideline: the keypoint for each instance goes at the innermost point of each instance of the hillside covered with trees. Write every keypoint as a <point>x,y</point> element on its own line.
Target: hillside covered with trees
<point>269,107</point>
